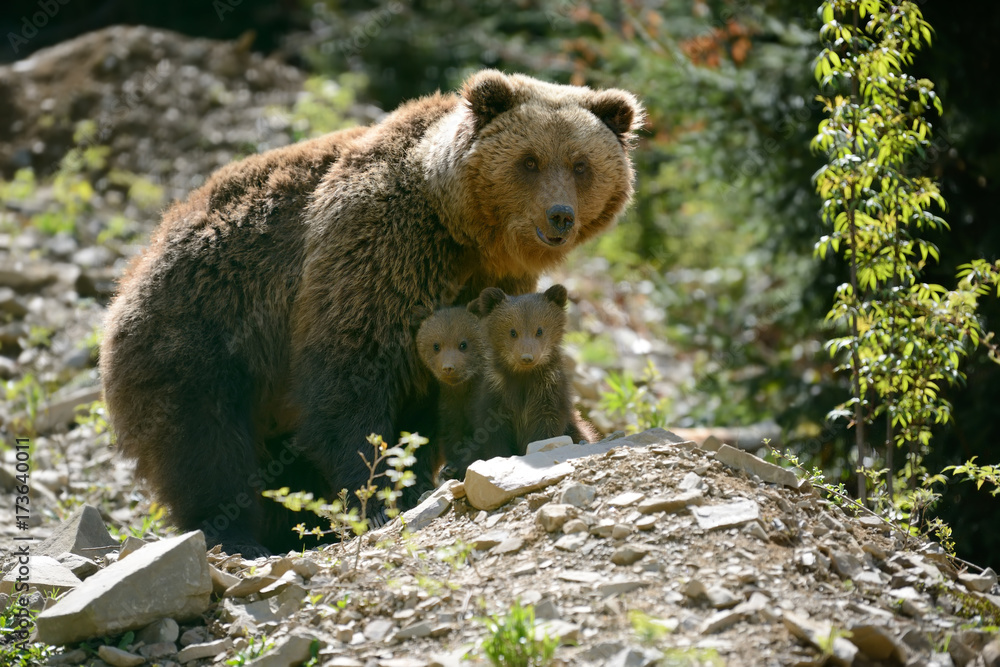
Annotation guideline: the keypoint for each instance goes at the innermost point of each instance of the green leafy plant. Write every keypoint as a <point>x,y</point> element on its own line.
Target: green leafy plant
<point>633,402</point>
<point>974,472</point>
<point>648,629</point>
<point>95,416</point>
<point>513,642</point>
<point>16,622</point>
<point>27,394</point>
<point>904,337</point>
<point>256,647</point>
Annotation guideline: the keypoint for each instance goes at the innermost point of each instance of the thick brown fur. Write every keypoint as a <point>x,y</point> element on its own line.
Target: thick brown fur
<point>266,330</point>
<point>525,393</point>
<point>450,344</point>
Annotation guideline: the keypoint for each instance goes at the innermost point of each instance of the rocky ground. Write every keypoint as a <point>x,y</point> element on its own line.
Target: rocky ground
<point>642,550</point>
<point>618,551</point>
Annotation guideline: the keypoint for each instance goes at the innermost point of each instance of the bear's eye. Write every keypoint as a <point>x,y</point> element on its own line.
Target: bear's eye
<point>539,332</point>
<point>531,164</point>
<point>513,333</point>
<point>437,347</point>
<point>580,168</point>
<point>462,346</point>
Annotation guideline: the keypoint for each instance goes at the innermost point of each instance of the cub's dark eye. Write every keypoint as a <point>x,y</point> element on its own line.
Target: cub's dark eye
<point>580,168</point>
<point>462,346</point>
<point>513,333</point>
<point>437,347</point>
<point>531,164</point>
<point>539,332</point>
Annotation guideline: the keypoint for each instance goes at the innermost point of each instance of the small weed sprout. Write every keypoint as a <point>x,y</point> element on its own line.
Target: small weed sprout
<point>648,630</point>
<point>512,640</point>
<point>256,647</point>
<point>633,402</point>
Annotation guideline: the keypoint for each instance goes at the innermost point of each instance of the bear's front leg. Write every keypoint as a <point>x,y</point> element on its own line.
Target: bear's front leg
<point>343,404</point>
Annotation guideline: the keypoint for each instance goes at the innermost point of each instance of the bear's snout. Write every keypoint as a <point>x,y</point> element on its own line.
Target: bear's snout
<point>560,217</point>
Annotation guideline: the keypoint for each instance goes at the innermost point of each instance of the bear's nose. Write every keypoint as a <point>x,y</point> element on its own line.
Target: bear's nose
<point>527,358</point>
<point>560,217</point>
<point>448,369</point>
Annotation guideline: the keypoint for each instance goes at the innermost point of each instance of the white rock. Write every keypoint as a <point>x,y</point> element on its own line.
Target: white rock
<point>671,503</point>
<point>42,573</point>
<point>578,495</point>
<point>626,499</point>
<point>119,658</point>
<point>490,484</point>
<point>725,516</point>
<point>434,506</point>
<point>292,650</point>
<point>83,534</point>
<point>205,650</point>
<point>736,458</point>
<point>552,516</point>
<point>980,583</point>
<point>549,444</point>
<point>571,542</point>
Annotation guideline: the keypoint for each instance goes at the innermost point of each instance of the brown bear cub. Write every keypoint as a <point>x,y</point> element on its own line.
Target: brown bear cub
<point>450,345</point>
<point>525,393</point>
<point>266,331</point>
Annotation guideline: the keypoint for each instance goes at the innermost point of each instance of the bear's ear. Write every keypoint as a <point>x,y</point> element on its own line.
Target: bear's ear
<point>418,315</point>
<point>488,94</point>
<point>557,295</point>
<point>488,300</point>
<point>619,110</point>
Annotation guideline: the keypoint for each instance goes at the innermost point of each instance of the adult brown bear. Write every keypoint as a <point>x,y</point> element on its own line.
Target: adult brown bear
<point>267,329</point>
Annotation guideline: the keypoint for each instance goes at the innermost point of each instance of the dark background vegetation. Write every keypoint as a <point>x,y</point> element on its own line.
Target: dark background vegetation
<point>725,218</point>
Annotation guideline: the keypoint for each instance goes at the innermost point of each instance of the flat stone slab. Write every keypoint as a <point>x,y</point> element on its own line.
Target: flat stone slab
<point>44,574</point>
<point>164,579</point>
<point>206,650</point>
<point>710,517</point>
<point>549,444</point>
<point>626,499</point>
<point>750,464</point>
<point>495,482</point>
<point>580,576</point>
<point>492,483</point>
<point>671,504</point>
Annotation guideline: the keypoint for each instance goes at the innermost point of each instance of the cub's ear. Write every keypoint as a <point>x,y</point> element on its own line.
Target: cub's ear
<point>488,94</point>
<point>619,110</point>
<point>557,295</point>
<point>418,315</point>
<point>488,300</point>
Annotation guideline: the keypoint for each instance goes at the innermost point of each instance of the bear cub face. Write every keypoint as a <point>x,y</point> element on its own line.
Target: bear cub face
<point>524,332</point>
<point>450,345</point>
